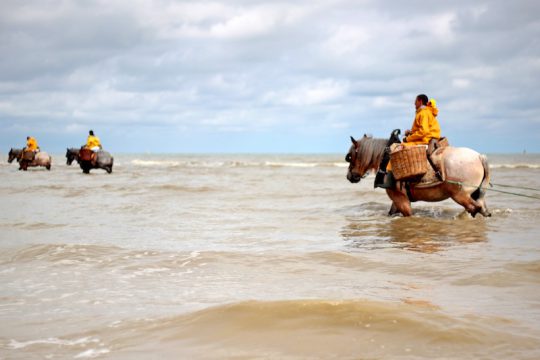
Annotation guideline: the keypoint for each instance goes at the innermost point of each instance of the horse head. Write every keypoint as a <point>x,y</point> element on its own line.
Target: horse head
<point>13,154</point>
<point>364,155</point>
<point>71,154</point>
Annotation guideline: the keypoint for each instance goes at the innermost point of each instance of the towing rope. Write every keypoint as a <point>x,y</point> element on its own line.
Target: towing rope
<point>502,191</point>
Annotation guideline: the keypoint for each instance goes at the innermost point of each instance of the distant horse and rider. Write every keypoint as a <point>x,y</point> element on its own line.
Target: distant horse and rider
<point>91,155</point>
<point>458,173</point>
<point>30,156</point>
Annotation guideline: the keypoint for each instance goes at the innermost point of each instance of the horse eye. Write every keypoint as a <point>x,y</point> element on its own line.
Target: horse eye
<point>348,158</point>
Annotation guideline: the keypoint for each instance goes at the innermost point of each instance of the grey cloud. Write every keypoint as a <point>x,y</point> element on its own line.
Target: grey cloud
<point>326,65</point>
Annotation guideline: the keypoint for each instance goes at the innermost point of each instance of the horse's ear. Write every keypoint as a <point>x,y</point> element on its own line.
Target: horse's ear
<point>368,136</point>
<point>355,143</point>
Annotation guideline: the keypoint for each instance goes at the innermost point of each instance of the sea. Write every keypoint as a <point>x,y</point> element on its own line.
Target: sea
<point>262,256</point>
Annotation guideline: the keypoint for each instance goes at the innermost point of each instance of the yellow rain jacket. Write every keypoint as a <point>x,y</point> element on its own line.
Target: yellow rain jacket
<point>425,126</point>
<point>432,105</point>
<point>92,141</point>
<point>31,144</point>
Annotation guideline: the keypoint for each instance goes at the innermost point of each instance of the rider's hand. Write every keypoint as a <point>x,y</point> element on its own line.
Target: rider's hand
<point>407,132</point>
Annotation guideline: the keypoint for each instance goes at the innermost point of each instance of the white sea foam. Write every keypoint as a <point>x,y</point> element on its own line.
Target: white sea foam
<point>92,353</point>
<point>152,163</point>
<point>290,164</point>
<point>220,164</point>
<point>14,344</point>
<point>514,166</point>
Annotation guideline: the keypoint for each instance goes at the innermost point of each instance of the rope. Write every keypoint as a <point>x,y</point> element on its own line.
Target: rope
<point>511,193</point>
<point>500,191</point>
<point>515,187</point>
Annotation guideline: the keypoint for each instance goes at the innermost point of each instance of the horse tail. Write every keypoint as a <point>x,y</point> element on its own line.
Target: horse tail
<point>480,192</point>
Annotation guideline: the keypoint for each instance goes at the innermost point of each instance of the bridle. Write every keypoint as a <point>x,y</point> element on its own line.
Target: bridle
<point>351,161</point>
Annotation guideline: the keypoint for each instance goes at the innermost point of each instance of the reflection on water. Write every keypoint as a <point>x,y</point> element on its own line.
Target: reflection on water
<point>423,234</point>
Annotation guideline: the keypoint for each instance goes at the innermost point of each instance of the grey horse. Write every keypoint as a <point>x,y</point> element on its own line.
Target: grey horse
<point>104,160</point>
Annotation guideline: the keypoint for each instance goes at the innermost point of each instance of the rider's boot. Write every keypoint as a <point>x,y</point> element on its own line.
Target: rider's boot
<point>383,179</point>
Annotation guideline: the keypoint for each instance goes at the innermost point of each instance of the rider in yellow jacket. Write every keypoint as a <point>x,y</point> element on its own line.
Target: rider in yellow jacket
<point>31,144</point>
<point>92,142</point>
<point>424,128</point>
<point>425,125</point>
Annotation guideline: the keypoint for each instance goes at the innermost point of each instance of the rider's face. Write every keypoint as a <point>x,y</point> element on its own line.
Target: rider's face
<point>417,103</point>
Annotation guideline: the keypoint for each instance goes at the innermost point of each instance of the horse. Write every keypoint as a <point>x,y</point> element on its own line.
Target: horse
<point>465,176</point>
<point>14,154</point>
<point>41,158</point>
<point>104,160</point>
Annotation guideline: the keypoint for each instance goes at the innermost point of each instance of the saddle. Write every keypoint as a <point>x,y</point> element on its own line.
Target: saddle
<point>28,155</point>
<point>86,154</point>
<point>435,171</point>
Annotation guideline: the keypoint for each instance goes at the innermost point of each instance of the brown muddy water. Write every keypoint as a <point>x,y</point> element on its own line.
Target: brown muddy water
<point>261,257</point>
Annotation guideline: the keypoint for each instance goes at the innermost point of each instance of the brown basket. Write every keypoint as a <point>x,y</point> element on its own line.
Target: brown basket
<point>28,155</point>
<point>409,162</point>
<point>85,154</point>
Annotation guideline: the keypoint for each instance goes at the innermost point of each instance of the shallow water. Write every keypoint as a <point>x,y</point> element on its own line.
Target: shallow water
<point>261,256</point>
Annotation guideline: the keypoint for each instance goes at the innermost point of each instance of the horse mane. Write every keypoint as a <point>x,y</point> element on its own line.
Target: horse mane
<point>370,152</point>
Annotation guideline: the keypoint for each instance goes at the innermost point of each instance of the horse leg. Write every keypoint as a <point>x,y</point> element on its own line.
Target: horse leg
<point>465,200</point>
<point>478,196</point>
<point>393,210</point>
<point>400,201</point>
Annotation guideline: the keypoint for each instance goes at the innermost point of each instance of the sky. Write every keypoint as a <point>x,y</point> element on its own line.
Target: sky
<point>253,76</point>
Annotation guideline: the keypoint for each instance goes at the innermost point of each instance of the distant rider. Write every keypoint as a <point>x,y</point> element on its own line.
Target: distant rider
<point>31,144</point>
<point>93,142</point>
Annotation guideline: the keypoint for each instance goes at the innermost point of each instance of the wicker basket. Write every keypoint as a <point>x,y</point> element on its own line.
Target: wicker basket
<point>28,155</point>
<point>85,155</point>
<point>410,162</point>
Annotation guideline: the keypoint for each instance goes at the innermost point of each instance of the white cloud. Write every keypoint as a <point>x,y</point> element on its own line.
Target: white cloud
<point>346,39</point>
<point>253,66</point>
<point>320,92</point>
<point>461,83</point>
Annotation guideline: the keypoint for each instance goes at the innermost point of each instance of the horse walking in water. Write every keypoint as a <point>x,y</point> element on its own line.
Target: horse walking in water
<point>104,160</point>
<point>40,159</point>
<point>465,175</point>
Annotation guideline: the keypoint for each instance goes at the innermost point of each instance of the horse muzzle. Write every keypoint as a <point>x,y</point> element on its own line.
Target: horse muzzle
<point>353,177</point>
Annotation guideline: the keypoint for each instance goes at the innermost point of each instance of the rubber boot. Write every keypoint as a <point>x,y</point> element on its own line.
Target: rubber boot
<point>380,177</point>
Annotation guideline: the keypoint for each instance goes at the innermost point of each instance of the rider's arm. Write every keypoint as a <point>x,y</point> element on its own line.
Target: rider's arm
<point>420,128</point>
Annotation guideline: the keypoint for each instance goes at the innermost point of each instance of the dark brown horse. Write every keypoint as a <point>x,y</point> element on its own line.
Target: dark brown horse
<point>465,175</point>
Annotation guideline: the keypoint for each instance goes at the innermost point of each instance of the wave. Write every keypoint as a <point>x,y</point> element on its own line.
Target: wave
<point>514,166</point>
<point>304,328</point>
<point>233,164</point>
<point>183,188</point>
<point>155,163</point>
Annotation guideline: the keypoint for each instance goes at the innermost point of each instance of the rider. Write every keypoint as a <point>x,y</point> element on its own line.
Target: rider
<point>425,125</point>
<point>424,128</point>
<point>31,144</point>
<point>93,143</point>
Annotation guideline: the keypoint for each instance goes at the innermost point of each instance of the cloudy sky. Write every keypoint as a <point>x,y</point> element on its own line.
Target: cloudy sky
<point>266,76</point>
